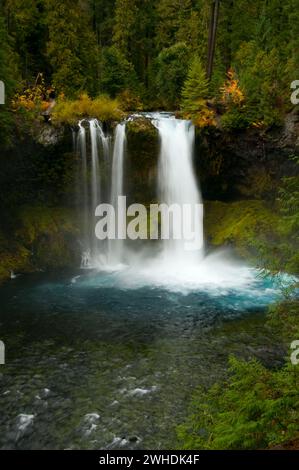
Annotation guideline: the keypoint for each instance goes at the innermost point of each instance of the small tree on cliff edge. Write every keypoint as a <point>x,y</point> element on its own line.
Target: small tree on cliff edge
<point>195,88</point>
<point>194,94</point>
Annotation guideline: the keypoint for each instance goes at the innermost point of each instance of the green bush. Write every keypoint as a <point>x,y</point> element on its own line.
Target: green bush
<point>102,108</point>
<point>235,118</point>
<point>255,408</point>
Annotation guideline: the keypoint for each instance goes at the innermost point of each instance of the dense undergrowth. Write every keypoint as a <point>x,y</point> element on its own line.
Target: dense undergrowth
<point>255,408</point>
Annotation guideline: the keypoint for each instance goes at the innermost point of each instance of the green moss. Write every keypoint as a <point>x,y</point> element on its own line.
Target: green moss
<point>15,260</point>
<point>239,224</point>
<point>45,238</point>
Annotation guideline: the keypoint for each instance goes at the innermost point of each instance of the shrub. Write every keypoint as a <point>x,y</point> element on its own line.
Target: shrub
<point>102,108</point>
<point>256,408</point>
<point>231,92</point>
<point>129,101</point>
<point>235,118</point>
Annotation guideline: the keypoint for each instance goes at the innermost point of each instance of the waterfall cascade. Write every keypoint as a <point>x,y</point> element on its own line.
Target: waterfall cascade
<point>173,266</point>
<point>95,253</point>
<point>85,199</point>
<point>115,255</point>
<point>95,135</point>
<point>176,185</point>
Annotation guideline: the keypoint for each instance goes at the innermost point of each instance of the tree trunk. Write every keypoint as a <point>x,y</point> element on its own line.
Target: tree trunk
<point>212,37</point>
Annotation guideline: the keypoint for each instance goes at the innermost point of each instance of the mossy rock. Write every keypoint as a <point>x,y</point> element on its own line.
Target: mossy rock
<point>141,125</point>
<point>45,238</point>
<point>240,224</point>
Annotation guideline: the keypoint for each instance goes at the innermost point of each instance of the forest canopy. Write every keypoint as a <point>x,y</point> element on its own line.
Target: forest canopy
<point>147,49</point>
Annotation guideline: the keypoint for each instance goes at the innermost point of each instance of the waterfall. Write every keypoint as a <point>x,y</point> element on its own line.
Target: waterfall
<point>90,185</point>
<point>95,179</point>
<point>84,184</point>
<point>116,247</point>
<point>170,263</point>
<point>99,143</point>
<point>177,185</point>
<point>104,142</point>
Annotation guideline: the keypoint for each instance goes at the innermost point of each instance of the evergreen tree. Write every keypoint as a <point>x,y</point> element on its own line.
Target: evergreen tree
<point>117,73</point>
<point>71,48</point>
<point>25,22</point>
<point>172,15</point>
<point>171,66</point>
<point>124,26</point>
<point>195,87</point>
<point>261,77</point>
<point>144,40</point>
<point>292,46</point>
<point>102,14</point>
<point>9,76</point>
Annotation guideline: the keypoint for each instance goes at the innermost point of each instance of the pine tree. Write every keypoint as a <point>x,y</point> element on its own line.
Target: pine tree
<point>173,15</point>
<point>195,87</point>
<point>171,66</point>
<point>25,21</point>
<point>9,76</point>
<point>71,48</point>
<point>124,26</point>
<point>117,73</point>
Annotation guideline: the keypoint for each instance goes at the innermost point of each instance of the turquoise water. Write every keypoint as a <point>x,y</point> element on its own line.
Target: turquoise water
<point>102,360</point>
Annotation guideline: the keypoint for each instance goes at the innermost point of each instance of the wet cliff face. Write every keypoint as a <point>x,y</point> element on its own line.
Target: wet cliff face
<point>229,165</point>
<point>40,173</point>
<point>245,164</point>
<point>141,162</point>
<point>38,224</point>
<point>42,167</point>
<point>37,169</point>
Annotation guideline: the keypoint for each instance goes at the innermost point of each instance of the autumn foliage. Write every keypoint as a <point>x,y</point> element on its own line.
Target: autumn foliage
<point>231,92</point>
<point>34,98</point>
